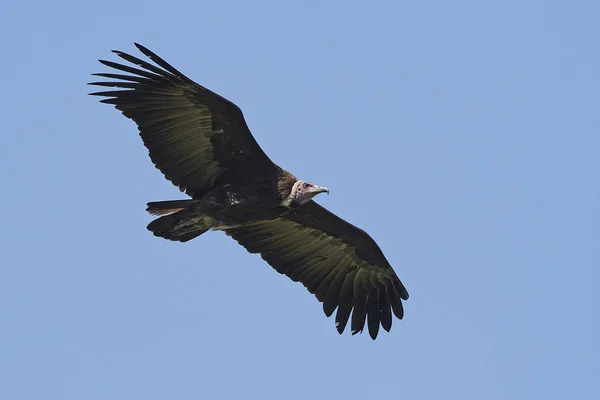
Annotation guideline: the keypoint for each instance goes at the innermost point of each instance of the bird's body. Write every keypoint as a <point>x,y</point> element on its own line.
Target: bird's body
<point>201,143</point>
<point>224,206</point>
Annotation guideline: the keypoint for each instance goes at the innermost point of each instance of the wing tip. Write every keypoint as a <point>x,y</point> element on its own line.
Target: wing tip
<point>357,331</point>
<point>140,47</point>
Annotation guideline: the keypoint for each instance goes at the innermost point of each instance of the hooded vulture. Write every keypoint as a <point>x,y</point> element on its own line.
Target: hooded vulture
<point>201,143</point>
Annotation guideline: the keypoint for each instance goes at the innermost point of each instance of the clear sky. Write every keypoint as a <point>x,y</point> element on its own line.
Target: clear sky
<point>464,136</point>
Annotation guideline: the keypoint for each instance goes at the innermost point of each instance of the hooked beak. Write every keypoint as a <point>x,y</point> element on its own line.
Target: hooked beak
<point>319,189</point>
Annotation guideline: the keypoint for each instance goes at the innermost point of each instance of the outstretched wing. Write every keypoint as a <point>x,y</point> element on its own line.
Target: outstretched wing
<point>336,261</point>
<point>194,136</point>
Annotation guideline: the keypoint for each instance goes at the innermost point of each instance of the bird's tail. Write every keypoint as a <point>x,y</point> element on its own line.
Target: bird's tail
<point>180,223</point>
<point>168,207</point>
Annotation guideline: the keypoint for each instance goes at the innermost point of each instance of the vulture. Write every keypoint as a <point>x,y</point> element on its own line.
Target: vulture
<point>202,144</point>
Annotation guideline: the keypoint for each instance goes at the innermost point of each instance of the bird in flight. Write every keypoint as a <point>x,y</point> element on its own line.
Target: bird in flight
<point>201,143</point>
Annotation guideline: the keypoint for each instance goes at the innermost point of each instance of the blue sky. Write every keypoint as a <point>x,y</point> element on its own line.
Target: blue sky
<point>464,136</point>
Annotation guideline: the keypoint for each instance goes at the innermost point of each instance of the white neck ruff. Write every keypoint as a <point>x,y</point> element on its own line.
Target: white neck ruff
<point>288,200</point>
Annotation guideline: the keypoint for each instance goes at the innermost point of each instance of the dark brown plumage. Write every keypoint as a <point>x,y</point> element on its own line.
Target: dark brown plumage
<point>201,143</point>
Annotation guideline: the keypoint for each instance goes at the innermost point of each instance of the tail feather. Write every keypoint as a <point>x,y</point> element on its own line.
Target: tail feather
<point>180,223</point>
<point>168,207</point>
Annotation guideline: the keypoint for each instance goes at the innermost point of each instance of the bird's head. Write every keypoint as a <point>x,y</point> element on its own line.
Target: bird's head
<point>302,191</point>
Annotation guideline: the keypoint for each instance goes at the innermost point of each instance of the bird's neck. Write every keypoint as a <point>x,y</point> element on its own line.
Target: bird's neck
<point>286,184</point>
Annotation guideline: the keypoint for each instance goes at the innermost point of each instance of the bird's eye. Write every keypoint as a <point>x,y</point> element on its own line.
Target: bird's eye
<point>306,185</point>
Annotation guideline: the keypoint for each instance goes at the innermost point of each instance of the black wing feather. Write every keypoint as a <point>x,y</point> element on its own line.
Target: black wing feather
<point>162,63</point>
<point>345,302</point>
<point>373,314</point>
